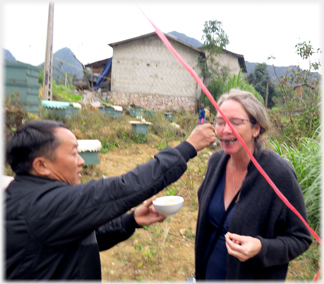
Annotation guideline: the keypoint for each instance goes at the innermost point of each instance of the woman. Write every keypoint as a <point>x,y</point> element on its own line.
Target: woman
<point>260,234</point>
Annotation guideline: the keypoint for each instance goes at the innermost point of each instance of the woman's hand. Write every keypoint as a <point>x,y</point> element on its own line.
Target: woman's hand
<point>242,247</point>
<point>146,214</point>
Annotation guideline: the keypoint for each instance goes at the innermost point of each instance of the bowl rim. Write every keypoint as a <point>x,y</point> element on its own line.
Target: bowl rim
<point>168,196</point>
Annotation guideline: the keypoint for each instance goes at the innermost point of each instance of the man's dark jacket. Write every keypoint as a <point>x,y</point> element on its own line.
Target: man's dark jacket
<point>54,230</point>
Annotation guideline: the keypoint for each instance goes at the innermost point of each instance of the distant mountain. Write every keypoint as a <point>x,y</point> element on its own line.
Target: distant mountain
<point>193,42</point>
<point>7,55</point>
<point>280,71</point>
<point>64,60</point>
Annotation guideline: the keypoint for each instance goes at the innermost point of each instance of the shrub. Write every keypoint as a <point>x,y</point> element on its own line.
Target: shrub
<point>305,159</point>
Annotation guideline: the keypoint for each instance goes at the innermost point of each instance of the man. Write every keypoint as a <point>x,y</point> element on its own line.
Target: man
<point>201,115</point>
<point>56,226</point>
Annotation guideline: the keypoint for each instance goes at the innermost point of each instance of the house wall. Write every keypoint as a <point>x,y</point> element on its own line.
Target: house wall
<point>146,73</point>
<point>230,61</point>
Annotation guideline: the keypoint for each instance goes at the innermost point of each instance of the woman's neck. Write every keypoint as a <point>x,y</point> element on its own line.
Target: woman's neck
<point>241,160</point>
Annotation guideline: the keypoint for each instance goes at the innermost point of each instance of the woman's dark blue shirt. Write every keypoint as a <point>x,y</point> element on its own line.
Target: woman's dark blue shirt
<point>216,264</point>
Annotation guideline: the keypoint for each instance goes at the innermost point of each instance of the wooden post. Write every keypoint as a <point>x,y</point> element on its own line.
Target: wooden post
<point>91,78</point>
<point>48,64</point>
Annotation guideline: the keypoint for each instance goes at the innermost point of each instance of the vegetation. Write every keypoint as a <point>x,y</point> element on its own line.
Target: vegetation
<point>261,82</point>
<point>299,102</point>
<point>218,86</point>
<point>296,136</point>
<point>305,159</point>
<point>214,40</point>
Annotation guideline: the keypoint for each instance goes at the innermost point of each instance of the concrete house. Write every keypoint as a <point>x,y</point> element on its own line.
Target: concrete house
<point>145,73</point>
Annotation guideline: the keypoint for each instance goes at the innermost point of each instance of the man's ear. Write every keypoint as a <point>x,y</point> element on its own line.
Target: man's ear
<point>40,166</point>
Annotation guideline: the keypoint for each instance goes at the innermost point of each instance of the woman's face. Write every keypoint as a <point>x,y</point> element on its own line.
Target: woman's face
<point>239,119</point>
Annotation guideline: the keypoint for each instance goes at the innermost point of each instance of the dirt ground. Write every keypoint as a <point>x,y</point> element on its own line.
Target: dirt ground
<point>163,251</point>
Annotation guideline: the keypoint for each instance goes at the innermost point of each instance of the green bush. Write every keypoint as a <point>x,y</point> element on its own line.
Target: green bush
<point>305,158</point>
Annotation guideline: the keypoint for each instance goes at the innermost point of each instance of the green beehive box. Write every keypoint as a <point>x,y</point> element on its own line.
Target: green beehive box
<point>149,113</point>
<point>59,109</point>
<point>90,158</point>
<point>169,116</point>
<point>117,113</point>
<point>102,109</point>
<point>70,110</point>
<point>89,151</point>
<point>21,72</point>
<point>140,128</point>
<point>23,79</point>
<point>136,112</point>
<point>110,111</point>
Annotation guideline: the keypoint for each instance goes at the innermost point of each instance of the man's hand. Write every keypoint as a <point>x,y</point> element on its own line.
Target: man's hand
<point>242,247</point>
<point>146,215</point>
<point>202,136</point>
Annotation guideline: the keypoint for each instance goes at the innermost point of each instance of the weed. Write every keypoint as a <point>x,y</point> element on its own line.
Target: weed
<point>171,190</point>
<point>169,239</point>
<point>161,144</point>
<point>190,235</point>
<point>139,279</point>
<point>139,138</point>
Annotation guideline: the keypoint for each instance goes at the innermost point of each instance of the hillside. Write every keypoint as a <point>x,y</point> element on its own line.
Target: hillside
<point>65,58</point>
<point>280,71</point>
<point>71,65</point>
<point>192,41</point>
<point>7,55</point>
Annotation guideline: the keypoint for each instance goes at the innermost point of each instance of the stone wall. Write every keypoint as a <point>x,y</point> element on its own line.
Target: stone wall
<point>155,102</point>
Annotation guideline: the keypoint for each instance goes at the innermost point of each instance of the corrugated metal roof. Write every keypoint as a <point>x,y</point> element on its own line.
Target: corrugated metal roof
<point>140,122</point>
<point>55,104</point>
<point>91,145</point>
<point>98,64</point>
<point>59,105</point>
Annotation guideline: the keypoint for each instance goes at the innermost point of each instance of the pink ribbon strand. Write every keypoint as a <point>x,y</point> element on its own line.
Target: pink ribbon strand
<point>164,39</point>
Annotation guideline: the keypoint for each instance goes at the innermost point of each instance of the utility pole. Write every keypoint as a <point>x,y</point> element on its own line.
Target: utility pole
<point>48,64</point>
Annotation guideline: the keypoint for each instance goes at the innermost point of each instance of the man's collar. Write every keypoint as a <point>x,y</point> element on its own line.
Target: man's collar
<point>33,178</point>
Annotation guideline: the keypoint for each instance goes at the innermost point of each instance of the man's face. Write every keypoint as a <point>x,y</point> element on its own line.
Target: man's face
<point>67,165</point>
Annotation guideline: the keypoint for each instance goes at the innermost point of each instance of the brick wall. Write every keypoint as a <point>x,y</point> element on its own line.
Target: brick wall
<point>146,66</point>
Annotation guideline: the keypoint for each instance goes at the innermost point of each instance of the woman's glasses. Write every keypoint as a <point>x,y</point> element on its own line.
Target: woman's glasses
<point>220,122</point>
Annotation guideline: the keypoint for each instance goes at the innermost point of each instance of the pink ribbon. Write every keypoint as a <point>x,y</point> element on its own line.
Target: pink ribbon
<point>210,97</point>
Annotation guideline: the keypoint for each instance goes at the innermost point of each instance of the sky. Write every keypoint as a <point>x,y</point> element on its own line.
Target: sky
<point>256,30</point>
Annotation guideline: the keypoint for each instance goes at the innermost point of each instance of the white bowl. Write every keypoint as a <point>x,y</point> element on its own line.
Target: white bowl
<point>168,205</point>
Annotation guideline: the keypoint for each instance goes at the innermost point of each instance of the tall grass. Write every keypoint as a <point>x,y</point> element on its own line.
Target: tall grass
<point>305,158</point>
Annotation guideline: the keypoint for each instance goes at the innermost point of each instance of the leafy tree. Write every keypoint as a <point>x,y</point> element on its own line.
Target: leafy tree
<point>303,112</point>
<point>259,78</point>
<point>214,40</point>
<point>218,86</point>
<point>41,77</point>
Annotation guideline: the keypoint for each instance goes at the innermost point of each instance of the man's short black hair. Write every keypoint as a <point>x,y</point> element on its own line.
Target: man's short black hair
<point>33,139</point>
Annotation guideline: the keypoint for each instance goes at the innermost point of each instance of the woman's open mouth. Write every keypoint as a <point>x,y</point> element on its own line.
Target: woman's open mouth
<point>228,141</point>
